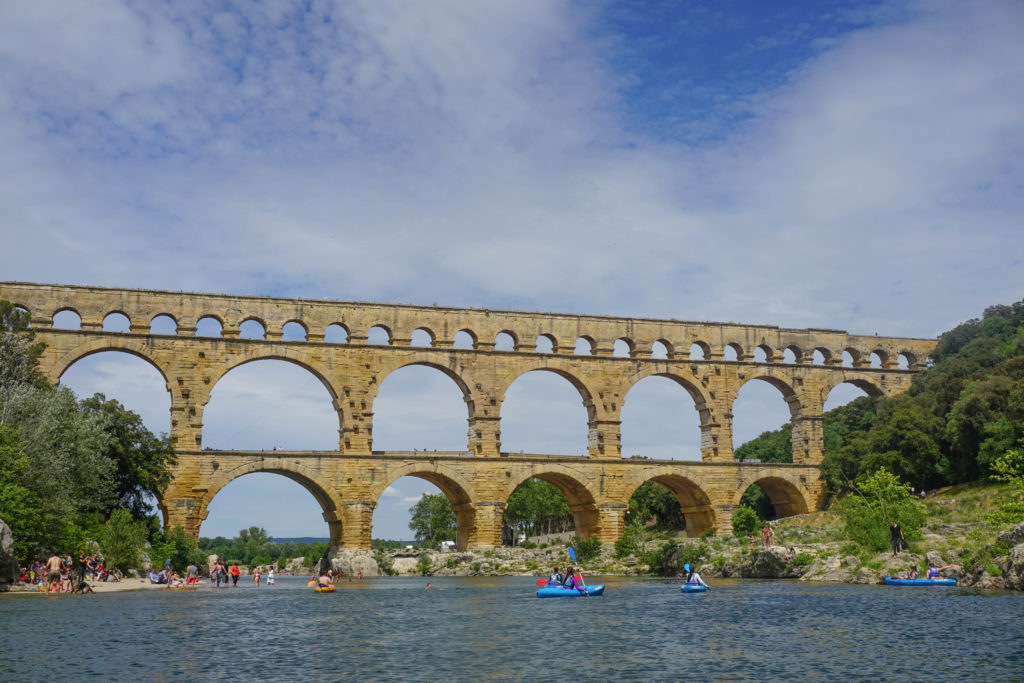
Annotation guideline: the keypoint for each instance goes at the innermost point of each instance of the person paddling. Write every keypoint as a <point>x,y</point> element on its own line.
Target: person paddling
<point>574,580</point>
<point>692,577</point>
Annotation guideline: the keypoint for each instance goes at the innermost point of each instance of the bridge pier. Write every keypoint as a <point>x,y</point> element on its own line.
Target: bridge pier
<point>356,522</point>
<point>485,530</point>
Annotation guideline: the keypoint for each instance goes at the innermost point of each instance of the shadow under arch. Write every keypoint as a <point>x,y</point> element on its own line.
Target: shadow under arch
<point>698,512</point>
<point>457,489</point>
<point>787,498</point>
<point>582,503</point>
<point>308,478</point>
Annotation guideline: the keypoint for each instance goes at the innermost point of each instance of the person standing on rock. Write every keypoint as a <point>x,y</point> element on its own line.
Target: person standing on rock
<point>896,535</point>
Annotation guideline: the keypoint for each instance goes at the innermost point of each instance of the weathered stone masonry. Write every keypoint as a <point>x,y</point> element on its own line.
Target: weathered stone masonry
<point>348,482</point>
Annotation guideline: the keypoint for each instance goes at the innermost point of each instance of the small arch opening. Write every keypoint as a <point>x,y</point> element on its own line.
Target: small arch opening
<point>819,357</point>
<point>252,329</point>
<point>336,333</point>
<point>789,356</point>
<point>699,351</point>
<point>504,341</point>
<point>623,348</point>
<point>731,352</point>
<point>117,322</point>
<point>661,350</point>
<point>67,320</point>
<point>878,359</point>
<point>293,331</point>
<point>464,339</point>
<point>378,335</point>
<point>209,327</point>
<point>163,324</point>
<point>422,338</point>
<point>584,347</point>
<point>545,344</point>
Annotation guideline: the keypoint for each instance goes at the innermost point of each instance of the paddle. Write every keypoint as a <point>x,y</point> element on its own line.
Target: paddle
<point>542,582</point>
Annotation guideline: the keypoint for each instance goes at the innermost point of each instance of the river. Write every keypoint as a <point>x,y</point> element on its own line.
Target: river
<point>390,629</point>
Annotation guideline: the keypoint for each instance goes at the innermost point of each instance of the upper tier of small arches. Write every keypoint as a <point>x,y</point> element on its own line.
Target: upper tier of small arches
<point>143,312</point>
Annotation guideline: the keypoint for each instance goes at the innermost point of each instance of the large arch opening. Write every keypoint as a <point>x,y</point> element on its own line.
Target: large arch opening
<point>661,419</point>
<point>270,404</point>
<point>268,518</point>
<point>544,412</point>
<point>134,382</point>
<point>849,410</point>
<point>582,509</point>
<point>773,498</point>
<point>538,511</point>
<point>420,407</point>
<point>650,506</point>
<point>425,507</point>
<point>762,421</point>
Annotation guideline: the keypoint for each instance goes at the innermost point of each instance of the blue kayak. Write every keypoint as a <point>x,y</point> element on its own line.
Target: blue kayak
<point>890,581</point>
<point>693,588</point>
<point>561,592</point>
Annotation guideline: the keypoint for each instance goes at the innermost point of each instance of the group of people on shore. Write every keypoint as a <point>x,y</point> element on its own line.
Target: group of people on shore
<point>60,574</point>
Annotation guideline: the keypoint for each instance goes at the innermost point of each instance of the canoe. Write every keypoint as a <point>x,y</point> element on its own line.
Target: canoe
<point>890,581</point>
<point>693,588</point>
<point>560,592</point>
<point>324,589</point>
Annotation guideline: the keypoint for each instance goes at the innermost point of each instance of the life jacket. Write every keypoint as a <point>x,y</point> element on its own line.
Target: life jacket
<point>933,572</point>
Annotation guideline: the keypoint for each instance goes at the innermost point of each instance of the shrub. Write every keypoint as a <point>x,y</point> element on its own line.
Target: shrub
<point>744,521</point>
<point>384,562</point>
<point>707,533</point>
<point>691,553</point>
<point>121,541</point>
<point>656,558</point>
<point>879,498</point>
<point>475,566</point>
<point>802,559</point>
<point>529,545</point>
<point>423,564</point>
<point>629,544</point>
<point>586,550</point>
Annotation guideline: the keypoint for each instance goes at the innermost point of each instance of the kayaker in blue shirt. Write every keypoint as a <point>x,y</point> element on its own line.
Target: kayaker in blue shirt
<point>693,578</point>
<point>555,579</point>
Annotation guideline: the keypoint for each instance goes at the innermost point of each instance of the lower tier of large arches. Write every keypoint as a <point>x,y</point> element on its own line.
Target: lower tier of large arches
<point>348,488</point>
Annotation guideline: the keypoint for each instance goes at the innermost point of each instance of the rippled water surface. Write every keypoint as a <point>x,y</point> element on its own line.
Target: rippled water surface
<point>496,629</point>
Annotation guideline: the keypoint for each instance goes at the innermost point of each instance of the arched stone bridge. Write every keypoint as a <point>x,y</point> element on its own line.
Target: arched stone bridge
<point>580,348</point>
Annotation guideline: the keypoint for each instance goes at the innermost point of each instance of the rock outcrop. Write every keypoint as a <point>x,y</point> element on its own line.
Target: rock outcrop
<point>8,562</point>
<point>1014,535</point>
<point>351,562</point>
<point>1013,568</point>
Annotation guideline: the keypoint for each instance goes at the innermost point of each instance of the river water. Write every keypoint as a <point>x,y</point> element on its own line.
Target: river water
<point>393,629</point>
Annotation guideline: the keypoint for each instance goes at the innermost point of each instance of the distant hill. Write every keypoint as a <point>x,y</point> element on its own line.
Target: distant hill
<point>300,539</point>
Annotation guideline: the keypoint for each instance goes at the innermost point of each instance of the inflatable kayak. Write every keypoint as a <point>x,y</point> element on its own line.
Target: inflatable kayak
<point>890,581</point>
<point>693,588</point>
<point>324,589</point>
<point>560,592</point>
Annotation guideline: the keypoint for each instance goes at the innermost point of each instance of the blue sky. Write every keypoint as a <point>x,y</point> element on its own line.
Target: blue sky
<point>852,165</point>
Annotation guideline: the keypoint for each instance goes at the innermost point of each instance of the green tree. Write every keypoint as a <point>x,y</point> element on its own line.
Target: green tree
<point>877,500</point>
<point>433,520</point>
<point>537,507</point>
<point>141,459</point>
<point>744,521</point>
<point>652,500</point>
<point>121,540</point>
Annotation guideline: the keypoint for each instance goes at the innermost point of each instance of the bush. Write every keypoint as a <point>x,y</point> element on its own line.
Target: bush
<point>528,545</point>
<point>121,541</point>
<point>384,562</point>
<point>707,533</point>
<point>880,498</point>
<point>656,559</point>
<point>691,553</point>
<point>802,560</point>
<point>744,522</point>
<point>629,544</point>
<point>586,550</point>
<point>423,564</point>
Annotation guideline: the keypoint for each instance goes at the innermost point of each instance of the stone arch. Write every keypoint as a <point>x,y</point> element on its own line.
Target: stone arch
<point>701,401</point>
<point>691,492</point>
<point>736,348</point>
<point>883,358</point>
<point>789,394</point>
<point>379,326</point>
<point>473,339</point>
<point>116,312</point>
<point>589,341</point>
<point>511,334</point>
<point>577,489</point>
<point>786,497</point>
<point>866,385</point>
<point>670,350</point>
<point>66,309</point>
<point>431,337</point>
<point>502,387</point>
<point>703,347</point>
<point>769,352</point>
<point>826,355</point>
<point>911,359</point>
<point>309,478</point>
<point>253,319</point>
<point>124,344</point>
<point>798,354</point>
<point>630,347</point>
<point>455,487</point>
<point>550,339</point>
<point>301,325</point>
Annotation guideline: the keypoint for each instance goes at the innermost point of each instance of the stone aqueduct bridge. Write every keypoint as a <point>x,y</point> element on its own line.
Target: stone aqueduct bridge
<point>348,482</point>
